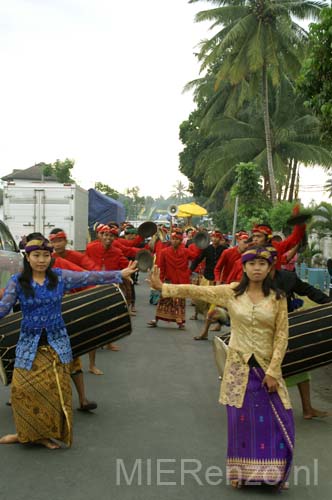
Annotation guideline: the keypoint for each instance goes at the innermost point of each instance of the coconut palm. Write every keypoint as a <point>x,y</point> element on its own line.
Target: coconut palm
<point>180,191</point>
<point>322,219</point>
<point>258,41</point>
<point>295,139</point>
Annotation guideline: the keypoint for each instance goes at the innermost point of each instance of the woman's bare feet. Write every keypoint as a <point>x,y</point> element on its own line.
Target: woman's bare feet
<point>9,439</point>
<point>48,444</point>
<point>95,370</point>
<point>235,483</point>
<point>112,347</point>
<point>313,413</point>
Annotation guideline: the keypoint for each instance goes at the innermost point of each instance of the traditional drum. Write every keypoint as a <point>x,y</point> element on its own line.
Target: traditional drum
<point>309,344</point>
<point>93,317</point>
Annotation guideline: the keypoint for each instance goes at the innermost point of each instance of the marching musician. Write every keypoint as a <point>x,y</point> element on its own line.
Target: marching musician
<point>174,268</point>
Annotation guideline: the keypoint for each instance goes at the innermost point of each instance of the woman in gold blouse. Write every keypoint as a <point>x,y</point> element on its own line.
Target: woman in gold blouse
<point>260,419</point>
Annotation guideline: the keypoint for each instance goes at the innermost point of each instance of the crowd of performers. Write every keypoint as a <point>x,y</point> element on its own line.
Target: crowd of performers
<point>250,286</point>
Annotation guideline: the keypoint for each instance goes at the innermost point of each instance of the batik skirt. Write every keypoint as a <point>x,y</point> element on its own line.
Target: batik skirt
<point>260,436</point>
<point>169,309</point>
<point>42,400</point>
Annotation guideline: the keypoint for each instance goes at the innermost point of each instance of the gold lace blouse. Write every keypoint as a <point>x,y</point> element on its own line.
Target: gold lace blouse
<point>256,329</point>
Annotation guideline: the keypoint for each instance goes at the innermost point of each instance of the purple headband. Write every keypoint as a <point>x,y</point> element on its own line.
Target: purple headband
<point>38,245</point>
<point>257,253</point>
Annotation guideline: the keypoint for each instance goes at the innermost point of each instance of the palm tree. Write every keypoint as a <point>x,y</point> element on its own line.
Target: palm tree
<point>328,187</point>
<point>180,191</point>
<point>322,219</point>
<point>295,139</point>
<point>257,43</point>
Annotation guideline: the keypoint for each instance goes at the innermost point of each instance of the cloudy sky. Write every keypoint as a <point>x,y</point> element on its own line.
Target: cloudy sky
<point>99,81</point>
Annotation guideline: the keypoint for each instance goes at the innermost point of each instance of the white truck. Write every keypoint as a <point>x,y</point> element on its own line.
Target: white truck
<point>41,206</point>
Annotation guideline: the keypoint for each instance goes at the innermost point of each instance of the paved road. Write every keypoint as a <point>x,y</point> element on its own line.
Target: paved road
<point>157,408</point>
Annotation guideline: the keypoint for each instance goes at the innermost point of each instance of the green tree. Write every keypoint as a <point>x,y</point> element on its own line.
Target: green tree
<point>179,192</point>
<point>248,188</point>
<point>241,138</point>
<point>106,189</point>
<point>279,214</point>
<point>257,43</point>
<point>60,169</point>
<point>315,81</point>
<point>133,202</point>
<point>322,219</point>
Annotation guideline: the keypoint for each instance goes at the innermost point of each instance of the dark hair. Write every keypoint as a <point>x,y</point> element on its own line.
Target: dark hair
<point>57,230</point>
<point>25,277</point>
<point>267,286</point>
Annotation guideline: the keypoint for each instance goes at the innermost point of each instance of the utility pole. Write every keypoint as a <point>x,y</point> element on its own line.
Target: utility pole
<point>235,218</point>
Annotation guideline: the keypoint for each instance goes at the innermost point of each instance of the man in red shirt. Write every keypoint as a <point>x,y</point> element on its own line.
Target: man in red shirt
<point>109,258</point>
<point>59,240</point>
<point>262,235</point>
<point>102,252</point>
<point>225,265</point>
<point>174,268</point>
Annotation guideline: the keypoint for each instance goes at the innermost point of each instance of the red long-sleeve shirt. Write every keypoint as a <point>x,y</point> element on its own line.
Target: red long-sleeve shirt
<point>174,264</point>
<point>281,246</point>
<point>293,239</point>
<point>77,258</point>
<point>225,264</point>
<point>107,259</point>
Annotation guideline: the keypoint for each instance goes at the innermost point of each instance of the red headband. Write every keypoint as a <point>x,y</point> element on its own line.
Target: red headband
<point>106,229</point>
<point>177,236</point>
<point>241,235</point>
<point>217,234</point>
<point>60,234</point>
<point>260,228</point>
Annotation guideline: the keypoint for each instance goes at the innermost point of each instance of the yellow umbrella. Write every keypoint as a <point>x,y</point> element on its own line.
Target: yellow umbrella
<point>190,209</point>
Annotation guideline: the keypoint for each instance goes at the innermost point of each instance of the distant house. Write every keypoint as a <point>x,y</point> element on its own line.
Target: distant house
<point>33,174</point>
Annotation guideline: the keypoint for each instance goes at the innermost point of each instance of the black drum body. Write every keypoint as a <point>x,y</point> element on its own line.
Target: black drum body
<point>93,317</point>
<point>310,340</point>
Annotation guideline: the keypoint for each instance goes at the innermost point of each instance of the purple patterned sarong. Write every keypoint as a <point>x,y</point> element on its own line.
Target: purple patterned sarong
<point>260,436</point>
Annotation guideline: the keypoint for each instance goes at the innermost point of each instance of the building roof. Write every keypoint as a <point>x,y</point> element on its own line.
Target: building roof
<point>34,173</point>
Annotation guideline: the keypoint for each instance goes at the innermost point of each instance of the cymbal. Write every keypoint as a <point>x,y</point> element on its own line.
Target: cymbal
<point>300,218</point>
<point>147,229</point>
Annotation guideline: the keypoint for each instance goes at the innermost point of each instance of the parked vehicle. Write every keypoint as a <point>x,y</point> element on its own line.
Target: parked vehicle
<point>10,256</point>
<point>42,206</point>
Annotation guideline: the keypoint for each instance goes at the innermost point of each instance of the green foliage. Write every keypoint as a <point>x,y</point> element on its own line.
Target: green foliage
<point>322,219</point>
<point>194,143</point>
<point>315,82</point>
<point>180,192</point>
<point>60,169</point>
<point>133,202</point>
<point>252,38</point>
<point>278,216</point>
<point>253,204</point>
<point>248,185</point>
<point>247,219</point>
<point>108,190</point>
